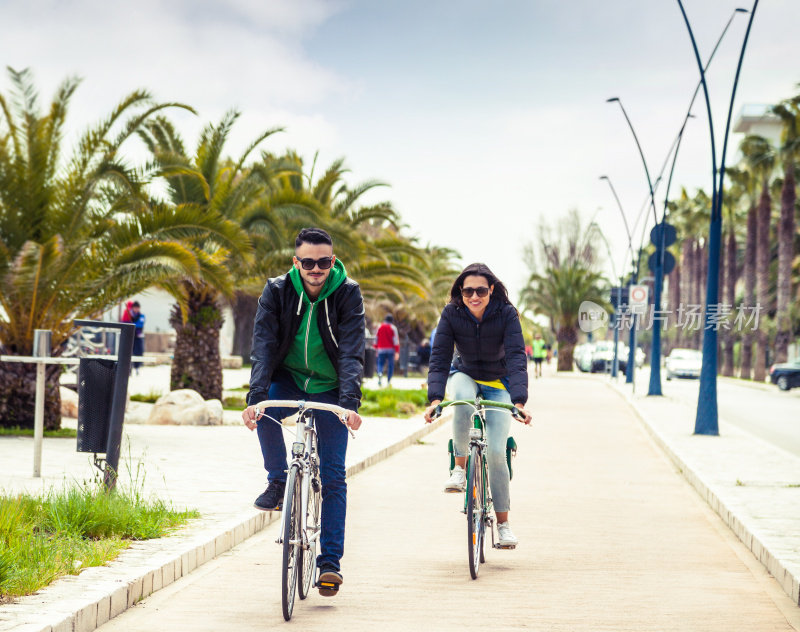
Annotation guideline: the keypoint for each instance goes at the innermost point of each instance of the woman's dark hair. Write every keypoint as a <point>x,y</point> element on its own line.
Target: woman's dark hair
<point>312,236</point>
<point>478,269</point>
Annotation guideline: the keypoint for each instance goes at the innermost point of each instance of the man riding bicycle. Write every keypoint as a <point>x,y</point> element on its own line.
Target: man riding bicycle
<point>308,344</point>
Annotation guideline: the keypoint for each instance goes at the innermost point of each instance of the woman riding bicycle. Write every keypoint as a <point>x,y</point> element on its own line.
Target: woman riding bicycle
<point>490,360</point>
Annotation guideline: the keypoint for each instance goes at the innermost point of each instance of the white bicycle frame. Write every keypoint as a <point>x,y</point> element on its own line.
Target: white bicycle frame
<point>301,455</point>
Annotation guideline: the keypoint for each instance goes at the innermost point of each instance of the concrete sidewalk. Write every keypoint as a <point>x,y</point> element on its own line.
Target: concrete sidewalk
<point>217,470</point>
<point>752,485</point>
<point>611,538</point>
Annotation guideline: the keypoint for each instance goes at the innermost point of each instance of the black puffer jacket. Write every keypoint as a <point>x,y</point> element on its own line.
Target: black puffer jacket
<point>341,326</point>
<point>489,350</point>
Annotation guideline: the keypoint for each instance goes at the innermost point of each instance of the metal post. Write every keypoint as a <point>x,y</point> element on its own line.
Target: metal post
<point>118,401</point>
<point>41,349</point>
<point>615,366</point>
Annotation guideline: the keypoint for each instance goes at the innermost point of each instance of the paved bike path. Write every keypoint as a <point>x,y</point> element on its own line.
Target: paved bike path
<point>612,538</point>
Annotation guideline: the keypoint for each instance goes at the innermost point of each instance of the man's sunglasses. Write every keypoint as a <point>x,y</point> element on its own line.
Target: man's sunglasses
<point>324,263</point>
<point>467,292</point>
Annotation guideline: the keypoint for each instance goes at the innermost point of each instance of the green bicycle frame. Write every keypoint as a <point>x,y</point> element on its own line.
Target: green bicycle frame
<point>477,434</point>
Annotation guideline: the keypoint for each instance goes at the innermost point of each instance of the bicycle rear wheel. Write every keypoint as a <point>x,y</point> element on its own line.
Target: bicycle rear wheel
<point>475,510</point>
<point>309,554</point>
<point>292,541</point>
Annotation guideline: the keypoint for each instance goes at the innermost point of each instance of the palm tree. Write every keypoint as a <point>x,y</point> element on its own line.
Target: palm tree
<point>789,112</point>
<point>569,258</point>
<point>759,157</point>
<point>735,196</point>
<point>212,185</point>
<point>77,234</point>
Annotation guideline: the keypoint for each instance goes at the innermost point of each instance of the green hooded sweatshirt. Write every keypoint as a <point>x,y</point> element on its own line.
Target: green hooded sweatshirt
<point>307,360</point>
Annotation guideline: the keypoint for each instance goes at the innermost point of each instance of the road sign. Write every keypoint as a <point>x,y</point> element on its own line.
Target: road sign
<point>619,296</point>
<point>670,234</point>
<point>669,262</point>
<point>637,297</point>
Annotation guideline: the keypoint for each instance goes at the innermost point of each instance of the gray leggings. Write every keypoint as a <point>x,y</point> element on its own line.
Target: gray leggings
<point>462,386</point>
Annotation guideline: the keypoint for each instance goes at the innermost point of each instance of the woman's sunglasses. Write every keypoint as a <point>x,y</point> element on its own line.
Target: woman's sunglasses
<point>324,263</point>
<point>467,292</point>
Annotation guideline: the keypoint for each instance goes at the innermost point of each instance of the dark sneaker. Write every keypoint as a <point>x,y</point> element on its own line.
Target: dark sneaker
<point>329,581</point>
<point>272,498</point>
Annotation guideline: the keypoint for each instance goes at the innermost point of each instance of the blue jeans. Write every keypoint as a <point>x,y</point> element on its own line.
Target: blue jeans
<point>498,422</point>
<point>332,435</point>
<point>384,356</point>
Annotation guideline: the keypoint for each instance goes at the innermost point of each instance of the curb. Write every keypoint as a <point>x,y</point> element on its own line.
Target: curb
<point>82,603</point>
<point>788,581</point>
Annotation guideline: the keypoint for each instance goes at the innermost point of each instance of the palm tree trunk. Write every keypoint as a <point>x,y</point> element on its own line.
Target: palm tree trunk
<point>762,279</point>
<point>730,299</point>
<point>567,337</point>
<point>18,395</point>
<point>786,227</point>
<point>674,300</point>
<point>244,318</point>
<point>749,299</point>
<point>196,363</point>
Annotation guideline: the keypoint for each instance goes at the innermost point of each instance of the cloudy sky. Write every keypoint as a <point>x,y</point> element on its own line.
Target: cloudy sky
<point>482,116</point>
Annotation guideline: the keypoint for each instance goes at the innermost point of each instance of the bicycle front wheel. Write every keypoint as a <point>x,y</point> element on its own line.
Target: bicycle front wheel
<point>308,554</point>
<point>475,510</point>
<point>292,540</point>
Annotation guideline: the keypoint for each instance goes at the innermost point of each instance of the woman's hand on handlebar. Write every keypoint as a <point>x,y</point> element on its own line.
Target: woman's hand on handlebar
<point>431,410</point>
<point>524,417</point>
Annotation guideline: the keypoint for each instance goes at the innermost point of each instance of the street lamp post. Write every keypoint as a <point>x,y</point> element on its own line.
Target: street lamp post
<point>632,347</point>
<point>615,362</point>
<point>655,349</point>
<point>707,420</point>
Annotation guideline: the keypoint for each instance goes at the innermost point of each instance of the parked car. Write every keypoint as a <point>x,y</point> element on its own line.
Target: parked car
<point>603,356</point>
<point>786,375</point>
<point>684,363</point>
<point>582,355</point>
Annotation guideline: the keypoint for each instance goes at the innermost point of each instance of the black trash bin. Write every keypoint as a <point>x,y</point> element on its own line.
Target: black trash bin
<point>95,391</point>
<point>370,359</point>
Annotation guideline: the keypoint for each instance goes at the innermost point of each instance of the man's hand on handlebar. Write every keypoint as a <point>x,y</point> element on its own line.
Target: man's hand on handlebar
<point>431,410</point>
<point>249,416</point>
<point>353,420</point>
<point>524,416</point>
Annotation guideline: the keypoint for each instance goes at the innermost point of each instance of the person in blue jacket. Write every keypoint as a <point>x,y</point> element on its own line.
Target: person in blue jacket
<point>483,326</point>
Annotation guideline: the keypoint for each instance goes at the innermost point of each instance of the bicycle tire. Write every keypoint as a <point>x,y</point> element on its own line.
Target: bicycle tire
<point>291,532</point>
<point>475,511</point>
<point>308,553</point>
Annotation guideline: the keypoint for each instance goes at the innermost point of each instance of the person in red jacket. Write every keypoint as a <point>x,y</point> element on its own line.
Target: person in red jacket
<point>387,345</point>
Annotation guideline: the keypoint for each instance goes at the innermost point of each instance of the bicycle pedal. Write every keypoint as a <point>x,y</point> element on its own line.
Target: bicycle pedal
<point>505,546</point>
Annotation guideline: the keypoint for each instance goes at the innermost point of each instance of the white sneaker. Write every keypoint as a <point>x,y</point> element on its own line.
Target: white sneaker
<point>506,537</point>
<point>457,481</point>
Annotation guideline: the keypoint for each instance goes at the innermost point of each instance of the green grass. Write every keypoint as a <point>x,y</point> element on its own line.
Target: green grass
<point>147,398</point>
<point>392,402</point>
<point>16,431</point>
<point>43,538</point>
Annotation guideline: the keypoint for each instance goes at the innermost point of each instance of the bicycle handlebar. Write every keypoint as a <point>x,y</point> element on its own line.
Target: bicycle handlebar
<point>340,412</point>
<point>483,403</point>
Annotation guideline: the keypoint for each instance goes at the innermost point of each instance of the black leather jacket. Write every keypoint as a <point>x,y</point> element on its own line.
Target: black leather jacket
<point>341,326</point>
<point>489,350</point>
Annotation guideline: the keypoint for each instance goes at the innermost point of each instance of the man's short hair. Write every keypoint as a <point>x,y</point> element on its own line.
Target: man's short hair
<point>135,304</point>
<point>389,318</point>
<point>312,236</point>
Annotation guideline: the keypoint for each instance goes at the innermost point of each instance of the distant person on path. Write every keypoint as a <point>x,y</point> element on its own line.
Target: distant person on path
<point>132,314</point>
<point>308,344</point>
<point>539,353</point>
<point>387,345</point>
<point>490,361</point>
